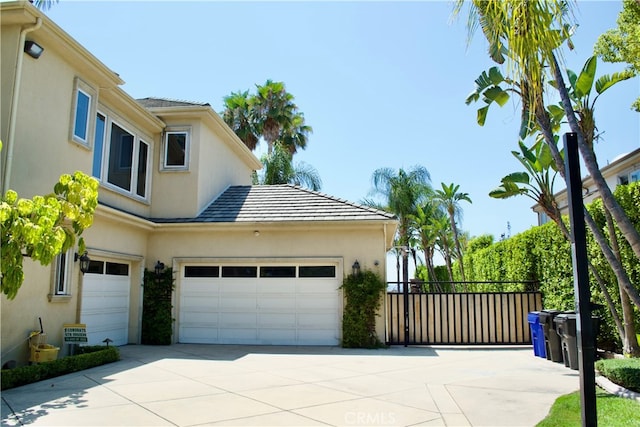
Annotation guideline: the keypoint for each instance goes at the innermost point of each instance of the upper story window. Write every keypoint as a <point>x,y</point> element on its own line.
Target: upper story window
<point>127,161</point>
<point>634,176</point>
<point>176,149</point>
<point>120,157</point>
<point>83,109</point>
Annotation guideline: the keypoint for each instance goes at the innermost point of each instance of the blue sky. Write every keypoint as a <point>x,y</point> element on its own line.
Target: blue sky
<point>382,84</point>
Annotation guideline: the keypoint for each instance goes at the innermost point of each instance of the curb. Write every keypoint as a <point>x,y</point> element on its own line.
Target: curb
<point>615,389</point>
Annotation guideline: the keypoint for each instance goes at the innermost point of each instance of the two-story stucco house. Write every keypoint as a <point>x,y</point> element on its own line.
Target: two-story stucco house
<point>252,264</point>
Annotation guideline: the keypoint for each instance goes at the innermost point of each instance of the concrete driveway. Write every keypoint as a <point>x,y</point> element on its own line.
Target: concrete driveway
<point>198,385</point>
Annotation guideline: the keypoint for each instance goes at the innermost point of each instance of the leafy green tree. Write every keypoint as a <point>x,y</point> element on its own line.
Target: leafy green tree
<point>402,191</point>
<point>44,226</point>
<point>450,198</point>
<point>280,169</point>
<point>621,44</point>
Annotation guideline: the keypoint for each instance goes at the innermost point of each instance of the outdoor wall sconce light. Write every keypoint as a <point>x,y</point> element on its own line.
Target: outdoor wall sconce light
<point>84,261</point>
<point>356,268</point>
<point>256,233</point>
<point>33,49</point>
<point>159,267</point>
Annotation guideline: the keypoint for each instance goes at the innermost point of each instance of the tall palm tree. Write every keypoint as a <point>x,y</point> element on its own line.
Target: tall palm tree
<point>275,115</point>
<point>403,191</point>
<point>297,134</point>
<point>237,115</point>
<point>450,198</point>
<point>43,4</point>
<point>280,169</point>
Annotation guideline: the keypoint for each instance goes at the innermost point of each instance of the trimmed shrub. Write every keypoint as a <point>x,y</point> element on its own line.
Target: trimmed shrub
<point>88,357</point>
<point>624,372</point>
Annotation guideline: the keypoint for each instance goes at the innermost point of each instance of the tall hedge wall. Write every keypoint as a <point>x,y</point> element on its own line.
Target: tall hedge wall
<point>543,254</point>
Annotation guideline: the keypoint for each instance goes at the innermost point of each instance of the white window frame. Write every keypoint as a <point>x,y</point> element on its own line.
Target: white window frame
<point>105,132</point>
<point>186,130</point>
<point>106,154</point>
<point>62,276</point>
<point>80,86</point>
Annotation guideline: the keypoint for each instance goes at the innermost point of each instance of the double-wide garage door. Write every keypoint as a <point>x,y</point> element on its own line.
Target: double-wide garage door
<point>281,304</point>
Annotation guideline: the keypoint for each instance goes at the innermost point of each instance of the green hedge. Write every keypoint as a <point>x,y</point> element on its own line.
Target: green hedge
<point>157,322</point>
<point>624,372</point>
<point>364,293</point>
<point>543,254</point>
<point>88,357</point>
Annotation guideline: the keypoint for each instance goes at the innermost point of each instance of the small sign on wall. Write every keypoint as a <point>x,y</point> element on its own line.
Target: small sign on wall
<point>75,333</point>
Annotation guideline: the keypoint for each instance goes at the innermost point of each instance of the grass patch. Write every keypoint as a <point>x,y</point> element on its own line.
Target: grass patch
<point>612,411</point>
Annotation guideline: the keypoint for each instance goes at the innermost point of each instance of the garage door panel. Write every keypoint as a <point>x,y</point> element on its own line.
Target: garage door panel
<point>270,320</point>
<point>201,303</point>
<point>240,286</point>
<point>322,302</point>
<point>279,302</point>
<point>313,320</point>
<point>281,336</point>
<point>277,286</point>
<point>238,336</point>
<point>200,287</point>
<point>201,336</point>
<point>237,320</point>
<point>238,302</point>
<point>206,317</point>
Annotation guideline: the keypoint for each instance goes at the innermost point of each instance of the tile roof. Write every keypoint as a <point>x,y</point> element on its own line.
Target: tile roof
<point>278,203</point>
<point>164,102</point>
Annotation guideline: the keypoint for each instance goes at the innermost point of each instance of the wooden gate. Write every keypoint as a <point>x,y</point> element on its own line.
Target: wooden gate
<point>461,318</point>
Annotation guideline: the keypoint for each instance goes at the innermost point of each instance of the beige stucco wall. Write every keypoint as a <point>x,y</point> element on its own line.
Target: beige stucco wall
<point>20,315</point>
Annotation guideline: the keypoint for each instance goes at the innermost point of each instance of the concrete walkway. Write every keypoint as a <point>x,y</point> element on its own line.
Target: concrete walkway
<point>198,385</point>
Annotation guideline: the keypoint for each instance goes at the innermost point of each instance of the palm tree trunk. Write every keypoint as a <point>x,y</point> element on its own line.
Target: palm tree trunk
<point>458,251</point>
<point>622,220</point>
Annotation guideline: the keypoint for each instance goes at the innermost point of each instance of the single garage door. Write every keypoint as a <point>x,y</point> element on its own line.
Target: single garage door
<point>260,304</point>
<point>105,302</point>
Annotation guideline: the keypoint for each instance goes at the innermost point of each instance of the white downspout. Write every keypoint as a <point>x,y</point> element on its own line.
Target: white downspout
<point>14,103</point>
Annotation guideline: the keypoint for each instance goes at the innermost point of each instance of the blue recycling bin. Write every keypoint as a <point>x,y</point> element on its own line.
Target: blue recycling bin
<point>537,334</point>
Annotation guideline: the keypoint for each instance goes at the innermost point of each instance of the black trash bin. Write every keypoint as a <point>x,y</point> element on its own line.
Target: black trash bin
<point>552,343</point>
<point>565,324</point>
<point>566,328</point>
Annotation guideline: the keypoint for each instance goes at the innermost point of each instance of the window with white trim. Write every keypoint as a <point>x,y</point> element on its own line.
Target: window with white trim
<point>127,160</point>
<point>82,112</point>
<point>63,270</point>
<point>175,149</point>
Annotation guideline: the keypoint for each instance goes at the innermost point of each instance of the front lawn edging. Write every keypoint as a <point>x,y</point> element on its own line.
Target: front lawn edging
<point>88,357</point>
<point>615,389</point>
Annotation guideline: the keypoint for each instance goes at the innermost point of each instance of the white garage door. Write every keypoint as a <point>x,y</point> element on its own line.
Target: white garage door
<point>260,304</point>
<point>105,302</point>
